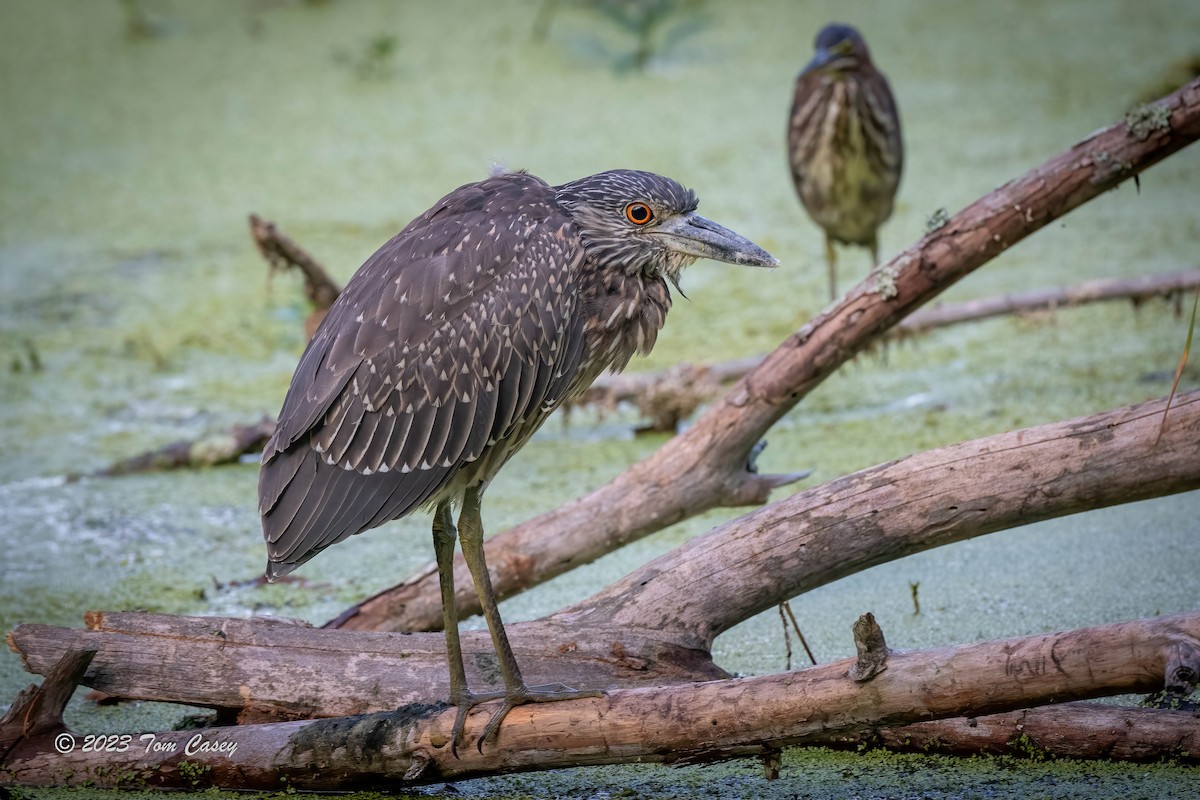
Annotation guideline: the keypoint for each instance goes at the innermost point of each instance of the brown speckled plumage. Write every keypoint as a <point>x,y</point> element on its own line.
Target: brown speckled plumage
<point>452,344</point>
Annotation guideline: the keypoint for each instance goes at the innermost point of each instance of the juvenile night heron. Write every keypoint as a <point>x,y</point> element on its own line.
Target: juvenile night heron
<point>844,143</point>
<point>451,345</point>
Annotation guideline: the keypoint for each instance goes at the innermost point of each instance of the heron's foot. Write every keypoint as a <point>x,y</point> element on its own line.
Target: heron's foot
<point>548,693</point>
<point>464,701</point>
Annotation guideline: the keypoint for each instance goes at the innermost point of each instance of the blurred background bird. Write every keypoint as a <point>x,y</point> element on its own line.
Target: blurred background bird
<point>844,143</point>
<point>447,350</point>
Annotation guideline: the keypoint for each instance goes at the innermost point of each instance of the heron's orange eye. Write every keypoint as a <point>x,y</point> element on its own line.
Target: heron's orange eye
<point>638,213</point>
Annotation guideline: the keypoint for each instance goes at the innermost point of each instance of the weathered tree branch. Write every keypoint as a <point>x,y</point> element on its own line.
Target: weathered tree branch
<point>654,627</point>
<point>38,710</point>
<point>916,503</point>
<point>707,465</point>
<point>1136,290</point>
<point>689,722</point>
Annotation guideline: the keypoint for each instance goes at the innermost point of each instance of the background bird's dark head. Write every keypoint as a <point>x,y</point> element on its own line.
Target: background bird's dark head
<point>839,48</point>
<point>642,222</point>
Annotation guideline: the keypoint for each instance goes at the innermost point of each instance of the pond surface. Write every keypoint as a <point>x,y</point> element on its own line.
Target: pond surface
<point>134,309</point>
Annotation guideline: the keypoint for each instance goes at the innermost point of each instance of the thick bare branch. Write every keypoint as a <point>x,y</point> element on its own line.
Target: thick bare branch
<point>906,506</point>
<point>271,669</point>
<point>707,465</point>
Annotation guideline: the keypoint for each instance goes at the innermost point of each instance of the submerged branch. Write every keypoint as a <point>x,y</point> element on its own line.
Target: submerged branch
<point>221,448</point>
<point>669,396</point>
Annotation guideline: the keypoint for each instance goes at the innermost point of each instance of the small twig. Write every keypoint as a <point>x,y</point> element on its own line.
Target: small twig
<point>787,638</point>
<point>913,586</point>
<point>787,606</point>
<point>771,760</point>
<point>1183,359</point>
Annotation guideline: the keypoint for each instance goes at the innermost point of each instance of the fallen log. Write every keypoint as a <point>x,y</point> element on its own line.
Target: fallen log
<point>271,669</point>
<point>653,627</point>
<point>685,723</point>
<point>710,464</point>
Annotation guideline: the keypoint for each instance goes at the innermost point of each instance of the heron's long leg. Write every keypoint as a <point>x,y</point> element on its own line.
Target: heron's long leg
<point>444,534</point>
<point>831,265</point>
<point>460,695</point>
<point>471,523</point>
<point>874,245</point>
<point>516,692</point>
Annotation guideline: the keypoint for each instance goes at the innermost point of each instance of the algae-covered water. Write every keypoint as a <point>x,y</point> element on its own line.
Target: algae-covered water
<point>134,309</point>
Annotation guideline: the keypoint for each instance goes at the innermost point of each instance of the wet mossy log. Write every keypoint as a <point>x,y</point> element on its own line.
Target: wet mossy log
<point>688,722</point>
<point>655,626</point>
<point>711,463</point>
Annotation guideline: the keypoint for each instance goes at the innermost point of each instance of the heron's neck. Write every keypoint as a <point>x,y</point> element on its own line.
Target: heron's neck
<point>625,312</point>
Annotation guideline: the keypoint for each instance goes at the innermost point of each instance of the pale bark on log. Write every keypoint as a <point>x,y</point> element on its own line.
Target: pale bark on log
<point>266,668</point>
<point>707,465</point>
<point>699,382</point>
<point>690,722</point>
<point>653,627</point>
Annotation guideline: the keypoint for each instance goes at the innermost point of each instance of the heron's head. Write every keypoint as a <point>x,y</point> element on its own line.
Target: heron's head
<point>639,221</point>
<point>839,48</point>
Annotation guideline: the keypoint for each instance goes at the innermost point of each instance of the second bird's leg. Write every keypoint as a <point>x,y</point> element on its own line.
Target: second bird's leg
<point>831,265</point>
<point>516,693</point>
<point>460,695</point>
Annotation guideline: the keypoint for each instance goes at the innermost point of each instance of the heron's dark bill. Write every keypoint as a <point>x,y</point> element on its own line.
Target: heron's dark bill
<point>838,47</point>
<point>834,59</point>
<point>693,235</point>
